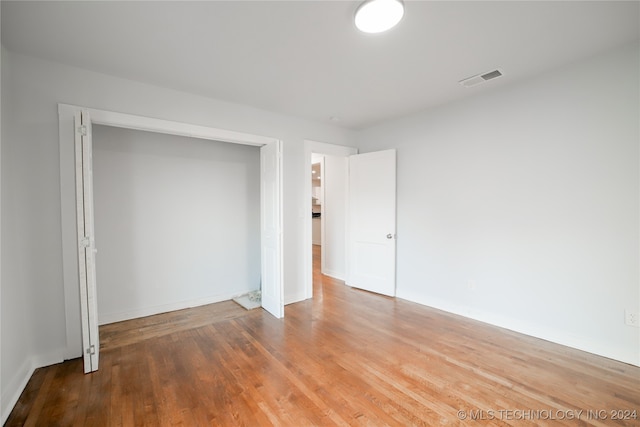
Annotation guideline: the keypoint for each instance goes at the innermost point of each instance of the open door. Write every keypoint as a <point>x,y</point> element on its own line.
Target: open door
<point>271,228</point>
<point>372,222</point>
<point>86,241</point>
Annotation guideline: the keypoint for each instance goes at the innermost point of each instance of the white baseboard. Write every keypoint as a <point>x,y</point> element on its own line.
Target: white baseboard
<point>300,296</point>
<point>15,387</point>
<point>18,382</point>
<point>106,318</point>
<point>334,274</point>
<point>579,343</point>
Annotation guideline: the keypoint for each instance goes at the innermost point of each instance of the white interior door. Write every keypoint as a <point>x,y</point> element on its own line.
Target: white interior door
<point>372,222</point>
<point>86,241</point>
<point>271,228</point>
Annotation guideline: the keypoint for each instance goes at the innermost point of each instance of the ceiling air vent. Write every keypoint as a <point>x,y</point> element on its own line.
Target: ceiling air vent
<point>480,78</point>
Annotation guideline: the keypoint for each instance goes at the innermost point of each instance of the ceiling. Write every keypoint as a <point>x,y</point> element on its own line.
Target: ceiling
<point>306,58</point>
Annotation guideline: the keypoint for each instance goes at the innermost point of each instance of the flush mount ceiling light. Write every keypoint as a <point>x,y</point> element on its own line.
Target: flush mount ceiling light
<point>376,16</point>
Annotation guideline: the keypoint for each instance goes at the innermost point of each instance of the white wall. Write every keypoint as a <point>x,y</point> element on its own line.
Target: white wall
<point>530,196</point>
<point>334,207</point>
<point>34,321</point>
<point>177,221</point>
<point>18,330</point>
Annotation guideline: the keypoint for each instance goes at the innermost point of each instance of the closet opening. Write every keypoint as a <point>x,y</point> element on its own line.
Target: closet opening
<point>177,222</point>
<point>78,221</point>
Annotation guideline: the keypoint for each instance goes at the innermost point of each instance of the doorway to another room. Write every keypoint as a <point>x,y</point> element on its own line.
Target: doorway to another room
<point>357,195</point>
<point>317,193</point>
<point>326,212</point>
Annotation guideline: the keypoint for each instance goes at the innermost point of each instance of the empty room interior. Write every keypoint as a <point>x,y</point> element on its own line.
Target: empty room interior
<point>434,220</point>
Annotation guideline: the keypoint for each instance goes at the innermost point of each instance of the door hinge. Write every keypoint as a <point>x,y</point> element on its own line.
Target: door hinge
<point>91,350</point>
<point>85,242</point>
<point>82,130</point>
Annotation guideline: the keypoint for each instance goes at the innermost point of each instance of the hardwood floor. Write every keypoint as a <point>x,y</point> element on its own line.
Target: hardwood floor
<point>133,331</point>
<point>347,357</point>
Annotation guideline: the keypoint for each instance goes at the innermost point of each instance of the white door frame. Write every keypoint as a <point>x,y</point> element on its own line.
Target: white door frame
<point>66,114</point>
<point>330,150</point>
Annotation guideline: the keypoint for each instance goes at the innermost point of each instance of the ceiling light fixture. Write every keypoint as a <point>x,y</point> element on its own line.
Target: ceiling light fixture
<point>376,16</point>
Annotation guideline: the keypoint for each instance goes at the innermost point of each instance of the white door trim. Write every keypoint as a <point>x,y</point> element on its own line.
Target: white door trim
<point>330,150</point>
<point>66,115</point>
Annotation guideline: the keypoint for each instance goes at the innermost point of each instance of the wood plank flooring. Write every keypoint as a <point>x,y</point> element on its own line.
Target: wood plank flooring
<point>347,357</point>
<point>120,334</point>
